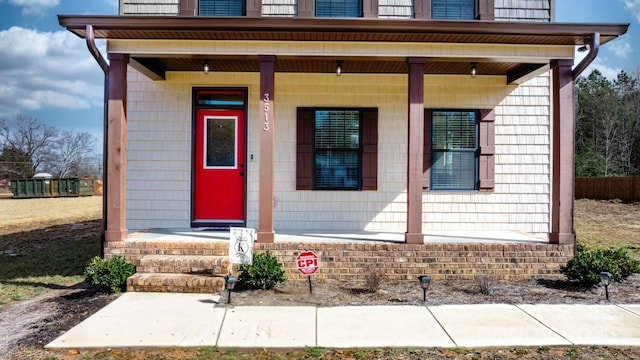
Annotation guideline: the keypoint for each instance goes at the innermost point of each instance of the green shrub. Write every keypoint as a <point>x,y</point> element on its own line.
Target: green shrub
<point>110,274</point>
<point>587,264</point>
<point>263,273</point>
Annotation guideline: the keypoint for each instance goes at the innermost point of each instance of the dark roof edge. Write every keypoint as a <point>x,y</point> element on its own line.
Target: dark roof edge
<point>78,23</point>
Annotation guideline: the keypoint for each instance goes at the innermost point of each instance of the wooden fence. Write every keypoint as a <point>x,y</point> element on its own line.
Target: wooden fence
<point>626,188</point>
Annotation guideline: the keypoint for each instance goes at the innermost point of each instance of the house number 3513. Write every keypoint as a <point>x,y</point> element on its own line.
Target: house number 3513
<point>265,99</point>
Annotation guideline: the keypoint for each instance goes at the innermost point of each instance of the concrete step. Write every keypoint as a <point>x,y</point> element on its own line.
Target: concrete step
<point>184,264</point>
<point>175,283</point>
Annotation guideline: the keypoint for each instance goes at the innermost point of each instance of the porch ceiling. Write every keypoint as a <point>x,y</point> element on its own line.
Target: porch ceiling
<point>358,65</point>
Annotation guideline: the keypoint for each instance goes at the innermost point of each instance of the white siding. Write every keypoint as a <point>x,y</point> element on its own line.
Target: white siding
<point>149,7</point>
<point>398,9</point>
<point>286,8</point>
<point>523,10</point>
<point>522,172</point>
<point>159,153</point>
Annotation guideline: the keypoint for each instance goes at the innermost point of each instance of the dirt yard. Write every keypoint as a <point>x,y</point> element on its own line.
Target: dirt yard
<point>25,327</point>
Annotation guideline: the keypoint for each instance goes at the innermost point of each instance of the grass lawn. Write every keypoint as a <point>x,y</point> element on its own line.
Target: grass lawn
<point>46,243</point>
<point>606,224</point>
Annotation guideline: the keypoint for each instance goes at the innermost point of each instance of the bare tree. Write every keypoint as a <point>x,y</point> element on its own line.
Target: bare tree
<point>30,136</point>
<point>72,153</point>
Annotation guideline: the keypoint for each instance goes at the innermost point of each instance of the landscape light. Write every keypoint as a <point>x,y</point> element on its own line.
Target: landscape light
<point>425,280</point>
<point>230,283</point>
<point>605,279</point>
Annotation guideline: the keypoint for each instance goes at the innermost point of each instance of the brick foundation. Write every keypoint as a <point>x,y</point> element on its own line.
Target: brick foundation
<point>351,261</point>
<point>170,266</point>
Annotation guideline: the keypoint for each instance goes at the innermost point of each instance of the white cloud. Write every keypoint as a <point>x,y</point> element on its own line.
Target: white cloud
<point>621,47</point>
<point>606,71</point>
<point>42,70</point>
<point>35,7</point>
<point>634,6</point>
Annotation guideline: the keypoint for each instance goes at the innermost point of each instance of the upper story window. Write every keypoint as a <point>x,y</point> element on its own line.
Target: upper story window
<point>222,8</point>
<point>338,8</point>
<point>453,9</point>
<point>454,150</point>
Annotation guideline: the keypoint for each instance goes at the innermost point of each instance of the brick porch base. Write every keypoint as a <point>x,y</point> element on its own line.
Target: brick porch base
<point>200,266</point>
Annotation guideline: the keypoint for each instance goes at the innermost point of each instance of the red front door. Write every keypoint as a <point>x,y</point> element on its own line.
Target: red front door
<point>219,194</point>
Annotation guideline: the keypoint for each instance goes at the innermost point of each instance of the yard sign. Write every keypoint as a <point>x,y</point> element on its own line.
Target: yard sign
<point>241,245</point>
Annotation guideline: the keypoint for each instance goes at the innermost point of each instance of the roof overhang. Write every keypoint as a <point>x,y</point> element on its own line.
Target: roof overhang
<point>337,30</point>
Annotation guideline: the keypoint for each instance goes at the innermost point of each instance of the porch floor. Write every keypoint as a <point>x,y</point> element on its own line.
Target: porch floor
<point>339,236</point>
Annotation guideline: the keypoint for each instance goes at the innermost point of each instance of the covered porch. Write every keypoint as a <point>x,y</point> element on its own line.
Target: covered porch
<point>507,53</point>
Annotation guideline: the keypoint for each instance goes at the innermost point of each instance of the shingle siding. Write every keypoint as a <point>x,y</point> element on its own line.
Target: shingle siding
<point>523,10</point>
<point>159,153</point>
<point>395,9</point>
<point>149,7</point>
<point>286,8</point>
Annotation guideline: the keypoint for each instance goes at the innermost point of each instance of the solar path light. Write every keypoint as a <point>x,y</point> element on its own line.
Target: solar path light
<point>425,280</point>
<point>605,280</point>
<point>230,283</point>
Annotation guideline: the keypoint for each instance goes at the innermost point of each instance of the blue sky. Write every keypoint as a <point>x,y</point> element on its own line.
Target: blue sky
<point>46,72</point>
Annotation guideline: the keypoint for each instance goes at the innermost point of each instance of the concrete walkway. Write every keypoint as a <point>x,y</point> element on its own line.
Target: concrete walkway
<point>156,320</point>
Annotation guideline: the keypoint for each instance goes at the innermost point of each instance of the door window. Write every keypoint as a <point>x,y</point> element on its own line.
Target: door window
<point>220,142</point>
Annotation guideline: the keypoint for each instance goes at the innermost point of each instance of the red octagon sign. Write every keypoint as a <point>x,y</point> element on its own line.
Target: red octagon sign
<point>307,263</point>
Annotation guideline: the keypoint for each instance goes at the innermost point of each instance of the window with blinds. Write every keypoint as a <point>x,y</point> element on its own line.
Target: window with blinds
<point>337,150</point>
<point>222,8</point>
<point>338,8</point>
<point>454,150</point>
<point>453,9</point>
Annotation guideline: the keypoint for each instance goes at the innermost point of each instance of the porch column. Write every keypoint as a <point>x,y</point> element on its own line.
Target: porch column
<point>267,141</point>
<point>563,154</point>
<point>415,151</point>
<point>115,173</point>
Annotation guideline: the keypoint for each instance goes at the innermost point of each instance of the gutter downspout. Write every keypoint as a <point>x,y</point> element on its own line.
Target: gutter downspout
<point>594,46</point>
<point>93,49</point>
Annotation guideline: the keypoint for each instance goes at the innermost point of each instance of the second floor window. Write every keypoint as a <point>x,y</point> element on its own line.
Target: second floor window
<point>339,8</point>
<point>222,8</point>
<point>453,9</point>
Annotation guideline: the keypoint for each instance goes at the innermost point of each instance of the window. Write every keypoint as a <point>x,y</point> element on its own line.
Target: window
<point>339,8</point>
<point>222,8</point>
<point>453,9</point>
<point>454,148</point>
<point>337,149</point>
<point>459,149</point>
